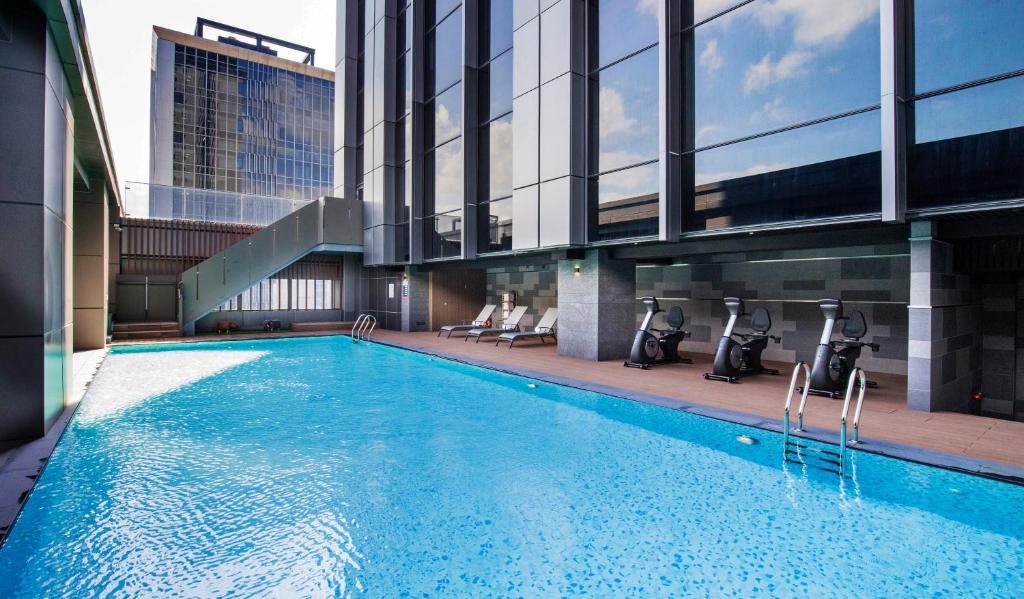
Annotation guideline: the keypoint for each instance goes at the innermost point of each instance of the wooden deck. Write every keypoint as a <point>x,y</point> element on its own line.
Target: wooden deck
<point>885,418</point>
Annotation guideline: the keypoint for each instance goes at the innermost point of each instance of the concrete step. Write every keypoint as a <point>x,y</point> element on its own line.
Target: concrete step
<point>322,326</point>
<point>164,325</point>
<point>155,334</point>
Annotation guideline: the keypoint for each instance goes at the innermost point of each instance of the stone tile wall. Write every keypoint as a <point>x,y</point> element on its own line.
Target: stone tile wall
<point>872,279</point>
<point>536,286</point>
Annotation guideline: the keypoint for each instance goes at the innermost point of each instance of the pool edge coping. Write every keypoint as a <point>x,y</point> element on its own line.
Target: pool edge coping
<point>30,459</point>
<point>1006,473</point>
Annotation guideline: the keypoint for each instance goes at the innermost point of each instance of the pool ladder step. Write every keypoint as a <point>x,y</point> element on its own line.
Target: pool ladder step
<point>363,327</point>
<point>794,451</point>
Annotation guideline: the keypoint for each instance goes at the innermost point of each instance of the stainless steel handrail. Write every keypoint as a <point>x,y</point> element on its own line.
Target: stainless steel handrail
<point>368,325</point>
<point>789,400</point>
<point>356,325</point>
<point>363,327</point>
<point>855,376</point>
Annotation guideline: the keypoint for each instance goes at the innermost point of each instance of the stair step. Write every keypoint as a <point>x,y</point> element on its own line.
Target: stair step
<point>154,334</point>
<point>160,325</point>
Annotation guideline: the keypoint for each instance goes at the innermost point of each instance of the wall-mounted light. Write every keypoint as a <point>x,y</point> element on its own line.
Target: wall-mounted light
<point>576,270</point>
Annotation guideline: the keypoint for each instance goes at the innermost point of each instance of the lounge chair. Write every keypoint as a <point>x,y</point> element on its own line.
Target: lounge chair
<point>511,324</point>
<point>544,328</point>
<point>480,320</point>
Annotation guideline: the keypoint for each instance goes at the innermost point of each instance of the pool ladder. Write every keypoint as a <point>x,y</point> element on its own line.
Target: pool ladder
<point>363,327</point>
<point>794,451</point>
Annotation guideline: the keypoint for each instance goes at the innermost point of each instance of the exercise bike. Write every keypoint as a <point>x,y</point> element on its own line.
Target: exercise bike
<point>649,349</point>
<point>835,360</point>
<point>742,357</point>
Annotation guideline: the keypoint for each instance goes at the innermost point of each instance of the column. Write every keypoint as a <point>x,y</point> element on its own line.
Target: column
<point>596,306</point>
<point>415,300</point>
<point>90,267</point>
<point>944,337</point>
<point>37,144</point>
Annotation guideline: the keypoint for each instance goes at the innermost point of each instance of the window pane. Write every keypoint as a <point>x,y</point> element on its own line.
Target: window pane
<point>830,169</point>
<point>444,54</point>
<point>496,36</point>
<point>628,203</point>
<point>771,64</point>
<point>627,112</point>
<point>447,113</point>
<point>962,40</point>
<point>444,235</point>
<point>496,159</point>
<point>625,26</point>
<point>496,87</point>
<point>444,169</point>
<point>969,146</point>
<point>495,225</point>
<point>439,8</point>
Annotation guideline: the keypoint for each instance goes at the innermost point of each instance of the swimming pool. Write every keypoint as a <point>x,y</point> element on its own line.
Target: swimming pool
<point>319,467</point>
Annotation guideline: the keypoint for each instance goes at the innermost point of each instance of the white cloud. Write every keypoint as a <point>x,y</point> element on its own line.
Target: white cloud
<point>710,57</point>
<point>612,159</point>
<point>647,7</point>
<point>757,169</point>
<point>628,184</point>
<point>818,22</point>
<point>766,73</point>
<point>704,131</point>
<point>773,110</point>
<point>614,120</point>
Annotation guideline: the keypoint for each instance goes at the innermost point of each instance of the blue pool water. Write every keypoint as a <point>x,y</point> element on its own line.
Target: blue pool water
<point>324,468</point>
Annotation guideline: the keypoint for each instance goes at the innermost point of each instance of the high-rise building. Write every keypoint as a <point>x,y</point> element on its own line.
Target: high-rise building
<point>235,115</point>
<point>782,152</point>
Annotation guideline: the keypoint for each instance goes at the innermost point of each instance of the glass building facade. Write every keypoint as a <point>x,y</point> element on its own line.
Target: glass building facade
<point>547,124</point>
<point>238,125</point>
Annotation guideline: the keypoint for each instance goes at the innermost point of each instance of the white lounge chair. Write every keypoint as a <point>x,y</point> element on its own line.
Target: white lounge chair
<point>480,320</point>
<point>544,328</point>
<point>511,324</point>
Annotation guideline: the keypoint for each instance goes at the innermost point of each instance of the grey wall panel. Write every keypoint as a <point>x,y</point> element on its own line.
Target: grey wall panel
<point>523,11</point>
<point>556,130</point>
<point>525,139</point>
<point>525,211</point>
<point>161,118</point>
<point>526,59</point>
<point>556,40</point>
<point>558,218</point>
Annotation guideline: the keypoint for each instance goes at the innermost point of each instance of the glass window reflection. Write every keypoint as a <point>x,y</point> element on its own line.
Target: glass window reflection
<point>444,54</point>
<point>767,65</point>
<point>497,34</point>
<point>829,169</point>
<point>956,41</point>
<point>444,168</point>
<point>627,203</point>
<point>444,235</point>
<point>496,159</point>
<point>625,26</point>
<point>496,86</point>
<point>627,115</point>
<point>969,146</point>
<point>447,114</point>
<point>496,225</point>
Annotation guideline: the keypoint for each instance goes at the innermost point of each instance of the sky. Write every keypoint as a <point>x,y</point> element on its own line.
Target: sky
<point>121,37</point>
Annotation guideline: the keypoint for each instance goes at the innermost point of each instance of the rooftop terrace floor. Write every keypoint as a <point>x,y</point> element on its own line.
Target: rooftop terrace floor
<point>886,421</point>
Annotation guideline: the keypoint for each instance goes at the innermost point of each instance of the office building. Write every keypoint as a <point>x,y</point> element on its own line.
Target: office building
<point>586,152</point>
<point>236,112</point>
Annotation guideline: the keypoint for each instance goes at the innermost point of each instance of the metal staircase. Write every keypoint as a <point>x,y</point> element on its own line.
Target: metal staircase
<point>802,453</point>
<point>325,225</point>
<point>363,327</point>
